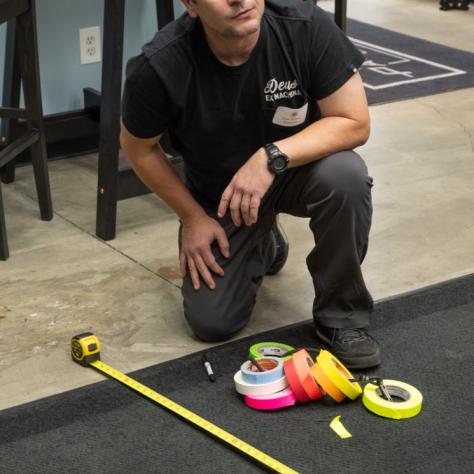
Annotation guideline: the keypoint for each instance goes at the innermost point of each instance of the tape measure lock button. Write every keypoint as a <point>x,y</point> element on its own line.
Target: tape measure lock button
<point>85,348</point>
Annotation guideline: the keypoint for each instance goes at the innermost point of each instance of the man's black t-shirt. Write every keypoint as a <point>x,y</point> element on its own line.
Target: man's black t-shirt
<point>219,115</point>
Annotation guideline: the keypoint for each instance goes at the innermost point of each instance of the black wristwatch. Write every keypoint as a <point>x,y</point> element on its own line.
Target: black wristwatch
<point>277,161</point>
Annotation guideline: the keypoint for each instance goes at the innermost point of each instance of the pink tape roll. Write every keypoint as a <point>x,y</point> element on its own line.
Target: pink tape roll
<point>285,398</point>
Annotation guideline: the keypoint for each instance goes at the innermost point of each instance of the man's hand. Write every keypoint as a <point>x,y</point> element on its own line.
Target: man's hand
<point>197,236</point>
<point>244,193</point>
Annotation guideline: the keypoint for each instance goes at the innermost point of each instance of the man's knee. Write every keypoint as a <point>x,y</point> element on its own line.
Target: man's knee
<point>213,318</point>
<point>338,180</point>
<point>345,175</point>
<point>212,326</point>
<point>207,332</point>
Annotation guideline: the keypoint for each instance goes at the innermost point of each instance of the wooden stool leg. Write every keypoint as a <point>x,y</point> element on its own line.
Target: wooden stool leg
<point>29,70</point>
<point>164,12</point>
<point>114,17</point>
<point>11,98</point>
<point>340,14</point>
<point>3,231</point>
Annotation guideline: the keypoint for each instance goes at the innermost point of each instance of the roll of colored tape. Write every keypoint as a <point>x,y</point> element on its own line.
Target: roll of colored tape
<point>303,363</point>
<point>285,398</point>
<point>326,384</point>
<point>246,388</point>
<point>406,400</point>
<point>276,349</point>
<point>298,373</point>
<point>294,381</point>
<point>338,374</point>
<point>273,370</point>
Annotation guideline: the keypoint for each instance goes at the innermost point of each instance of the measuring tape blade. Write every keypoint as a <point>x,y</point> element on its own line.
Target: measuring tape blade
<point>188,415</point>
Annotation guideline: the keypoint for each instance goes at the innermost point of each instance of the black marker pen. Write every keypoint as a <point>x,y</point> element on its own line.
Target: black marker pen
<point>208,367</point>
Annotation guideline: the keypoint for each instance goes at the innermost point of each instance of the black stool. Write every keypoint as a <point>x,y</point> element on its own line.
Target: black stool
<point>23,12</point>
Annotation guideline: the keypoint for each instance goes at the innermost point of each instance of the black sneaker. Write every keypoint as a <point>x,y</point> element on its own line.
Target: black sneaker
<point>355,348</point>
<point>278,238</point>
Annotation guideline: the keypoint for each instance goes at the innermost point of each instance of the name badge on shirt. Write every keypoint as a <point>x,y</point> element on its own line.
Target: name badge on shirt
<point>287,117</point>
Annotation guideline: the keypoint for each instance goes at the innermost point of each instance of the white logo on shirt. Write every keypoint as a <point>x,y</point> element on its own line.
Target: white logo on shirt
<point>275,90</point>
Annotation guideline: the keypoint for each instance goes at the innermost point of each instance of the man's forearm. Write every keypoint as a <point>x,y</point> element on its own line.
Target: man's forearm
<point>155,170</point>
<point>322,138</point>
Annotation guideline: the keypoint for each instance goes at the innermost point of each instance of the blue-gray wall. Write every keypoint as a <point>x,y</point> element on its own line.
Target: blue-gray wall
<point>62,75</point>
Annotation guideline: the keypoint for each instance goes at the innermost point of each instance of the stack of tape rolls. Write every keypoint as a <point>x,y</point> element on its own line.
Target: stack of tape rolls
<point>264,390</point>
<point>296,377</point>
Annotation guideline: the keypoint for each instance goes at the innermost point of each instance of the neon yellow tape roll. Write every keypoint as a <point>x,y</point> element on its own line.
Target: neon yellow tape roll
<point>407,400</point>
<point>276,349</point>
<point>338,374</point>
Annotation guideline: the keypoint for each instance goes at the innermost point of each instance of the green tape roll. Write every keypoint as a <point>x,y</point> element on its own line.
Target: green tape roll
<point>276,349</point>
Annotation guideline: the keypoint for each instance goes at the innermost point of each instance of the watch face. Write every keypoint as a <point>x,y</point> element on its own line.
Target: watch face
<point>279,163</point>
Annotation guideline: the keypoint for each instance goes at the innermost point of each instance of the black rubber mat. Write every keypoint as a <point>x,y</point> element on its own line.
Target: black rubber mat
<point>427,341</point>
<point>400,67</point>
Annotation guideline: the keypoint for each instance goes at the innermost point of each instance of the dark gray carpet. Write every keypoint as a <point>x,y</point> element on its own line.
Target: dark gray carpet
<point>427,340</point>
<point>400,67</point>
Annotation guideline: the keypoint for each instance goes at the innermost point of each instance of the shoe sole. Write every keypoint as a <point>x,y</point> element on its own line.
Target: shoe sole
<point>362,362</point>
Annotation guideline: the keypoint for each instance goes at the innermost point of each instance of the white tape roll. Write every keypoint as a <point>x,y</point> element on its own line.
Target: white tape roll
<point>246,388</point>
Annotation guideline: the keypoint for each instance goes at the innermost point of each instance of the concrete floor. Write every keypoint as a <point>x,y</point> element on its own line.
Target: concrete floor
<point>61,280</point>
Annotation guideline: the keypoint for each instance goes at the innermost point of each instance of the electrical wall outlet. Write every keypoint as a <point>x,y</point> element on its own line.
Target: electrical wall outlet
<point>89,40</point>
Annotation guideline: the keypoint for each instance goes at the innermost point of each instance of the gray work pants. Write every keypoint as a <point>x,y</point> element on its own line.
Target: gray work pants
<point>335,193</point>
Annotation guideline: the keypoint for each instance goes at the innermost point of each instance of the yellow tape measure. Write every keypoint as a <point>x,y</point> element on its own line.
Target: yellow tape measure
<point>85,350</point>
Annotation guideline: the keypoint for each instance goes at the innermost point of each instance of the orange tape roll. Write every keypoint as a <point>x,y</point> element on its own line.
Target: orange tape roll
<point>325,382</point>
<point>294,380</point>
<point>303,363</point>
<point>301,380</point>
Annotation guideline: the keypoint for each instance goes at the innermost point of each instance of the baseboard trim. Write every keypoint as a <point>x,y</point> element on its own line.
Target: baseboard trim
<point>68,134</point>
<point>71,133</point>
